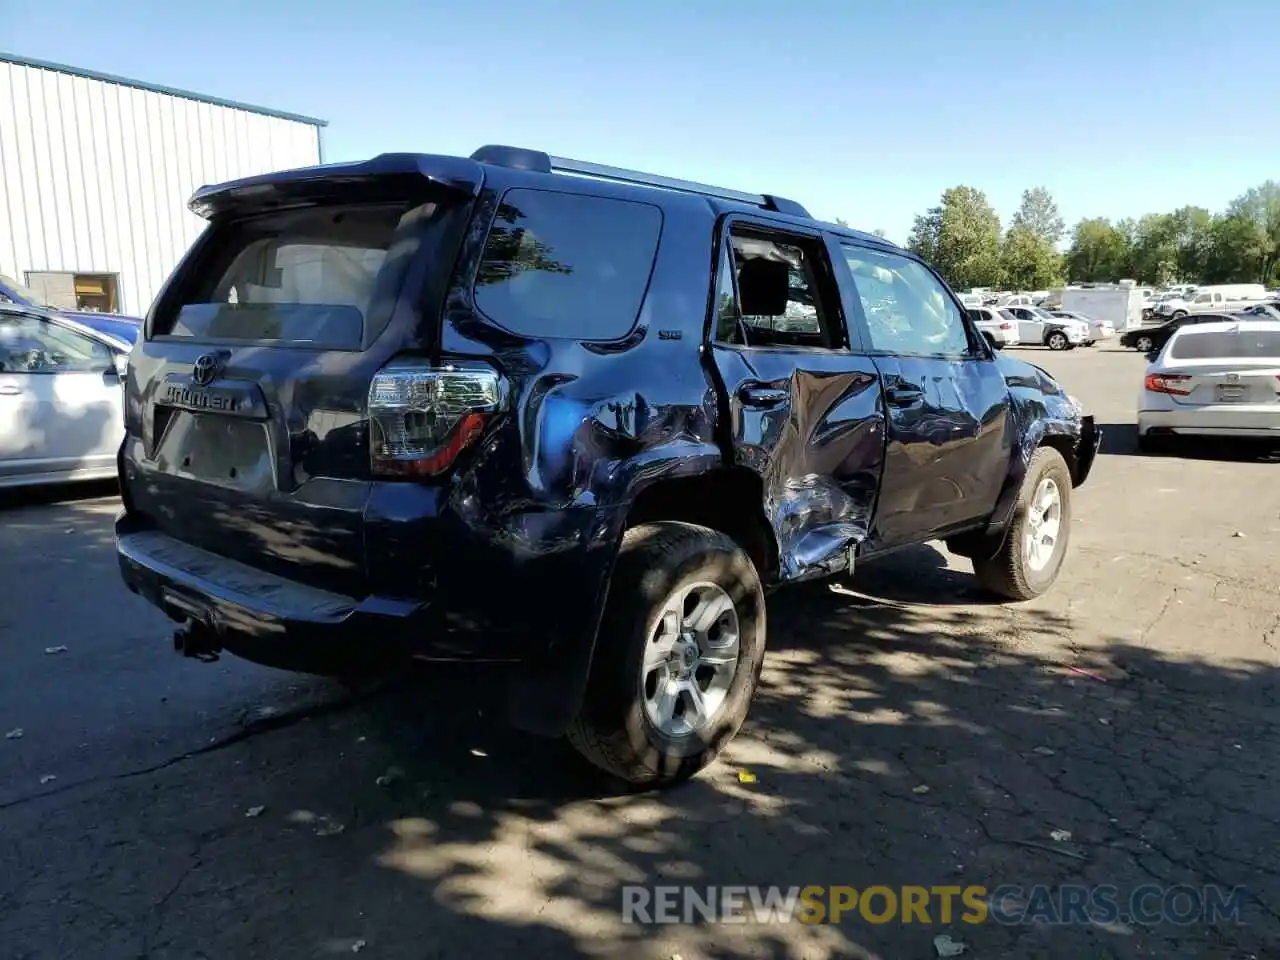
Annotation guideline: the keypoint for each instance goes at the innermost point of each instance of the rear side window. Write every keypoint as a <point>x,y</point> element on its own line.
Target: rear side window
<point>1226,344</point>
<point>306,277</point>
<point>567,266</point>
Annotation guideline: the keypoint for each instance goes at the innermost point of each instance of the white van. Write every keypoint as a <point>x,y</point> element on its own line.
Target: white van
<point>1218,298</point>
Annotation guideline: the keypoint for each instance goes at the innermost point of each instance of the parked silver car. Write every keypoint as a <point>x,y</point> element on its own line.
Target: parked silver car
<point>61,402</point>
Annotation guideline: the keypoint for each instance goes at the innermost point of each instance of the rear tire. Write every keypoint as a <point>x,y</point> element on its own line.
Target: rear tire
<point>1057,340</point>
<point>1021,569</point>
<point>640,719</point>
<point>1144,344</point>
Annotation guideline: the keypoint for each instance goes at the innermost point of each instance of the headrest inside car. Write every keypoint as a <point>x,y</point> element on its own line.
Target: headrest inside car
<point>762,287</point>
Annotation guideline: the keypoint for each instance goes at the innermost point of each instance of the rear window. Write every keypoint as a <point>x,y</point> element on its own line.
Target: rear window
<point>1213,344</point>
<point>562,265</point>
<point>307,277</point>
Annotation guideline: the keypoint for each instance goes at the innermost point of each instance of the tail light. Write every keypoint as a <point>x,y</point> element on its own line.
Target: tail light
<point>1171,383</point>
<point>422,417</point>
<point>1006,325</point>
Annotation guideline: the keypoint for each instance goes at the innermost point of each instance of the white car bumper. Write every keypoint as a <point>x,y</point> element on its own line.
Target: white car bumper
<point>1219,420</point>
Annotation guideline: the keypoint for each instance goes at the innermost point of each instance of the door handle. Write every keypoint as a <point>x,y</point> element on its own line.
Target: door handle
<point>9,390</point>
<point>761,395</point>
<point>903,394</point>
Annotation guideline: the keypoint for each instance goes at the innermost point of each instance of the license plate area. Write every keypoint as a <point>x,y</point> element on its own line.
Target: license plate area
<point>1232,393</point>
<point>226,451</point>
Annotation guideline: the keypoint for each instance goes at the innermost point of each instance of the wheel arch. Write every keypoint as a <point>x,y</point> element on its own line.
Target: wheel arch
<point>729,499</point>
<point>1043,432</point>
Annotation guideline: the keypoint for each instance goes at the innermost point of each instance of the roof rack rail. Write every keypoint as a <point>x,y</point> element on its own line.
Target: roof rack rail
<point>535,160</point>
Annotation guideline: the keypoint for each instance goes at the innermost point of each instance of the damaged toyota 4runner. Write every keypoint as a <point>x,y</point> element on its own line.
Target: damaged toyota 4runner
<point>515,408</point>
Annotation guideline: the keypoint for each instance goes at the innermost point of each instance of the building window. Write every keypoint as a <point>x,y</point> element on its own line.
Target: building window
<point>94,292</point>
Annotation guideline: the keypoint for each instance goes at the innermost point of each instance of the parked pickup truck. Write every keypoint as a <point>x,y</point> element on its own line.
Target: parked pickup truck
<point>573,418</point>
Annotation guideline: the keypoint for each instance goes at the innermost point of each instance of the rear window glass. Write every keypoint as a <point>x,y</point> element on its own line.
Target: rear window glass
<point>306,277</point>
<point>560,265</point>
<point>1211,344</point>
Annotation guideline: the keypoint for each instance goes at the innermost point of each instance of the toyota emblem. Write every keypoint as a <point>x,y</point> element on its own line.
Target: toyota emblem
<point>206,369</point>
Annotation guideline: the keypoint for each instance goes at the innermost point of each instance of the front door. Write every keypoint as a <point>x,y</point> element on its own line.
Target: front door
<point>1030,327</point>
<point>950,433</point>
<point>61,403</point>
<point>802,403</point>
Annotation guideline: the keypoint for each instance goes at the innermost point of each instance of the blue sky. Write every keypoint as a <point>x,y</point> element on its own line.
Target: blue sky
<point>860,110</point>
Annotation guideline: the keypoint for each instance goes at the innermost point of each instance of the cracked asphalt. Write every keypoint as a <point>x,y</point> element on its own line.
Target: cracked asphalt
<point>907,732</point>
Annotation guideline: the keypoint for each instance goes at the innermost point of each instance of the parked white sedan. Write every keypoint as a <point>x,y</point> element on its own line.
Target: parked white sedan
<point>1098,329</point>
<point>61,402</point>
<point>1213,380</point>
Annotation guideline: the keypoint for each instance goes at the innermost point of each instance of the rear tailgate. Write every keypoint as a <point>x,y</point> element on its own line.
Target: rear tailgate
<point>1231,383</point>
<point>1227,364</point>
<point>247,401</point>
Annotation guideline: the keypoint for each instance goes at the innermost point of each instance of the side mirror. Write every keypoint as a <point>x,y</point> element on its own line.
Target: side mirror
<point>121,365</point>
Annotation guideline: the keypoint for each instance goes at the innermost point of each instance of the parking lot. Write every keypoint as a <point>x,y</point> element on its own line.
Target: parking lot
<point>907,732</point>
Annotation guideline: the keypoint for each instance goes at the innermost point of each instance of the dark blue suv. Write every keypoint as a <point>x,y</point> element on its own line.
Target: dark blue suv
<point>515,408</point>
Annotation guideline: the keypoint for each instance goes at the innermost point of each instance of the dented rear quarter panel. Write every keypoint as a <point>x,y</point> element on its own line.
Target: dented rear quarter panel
<point>590,425</point>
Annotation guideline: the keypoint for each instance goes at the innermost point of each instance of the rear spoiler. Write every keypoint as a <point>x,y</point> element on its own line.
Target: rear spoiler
<point>388,176</point>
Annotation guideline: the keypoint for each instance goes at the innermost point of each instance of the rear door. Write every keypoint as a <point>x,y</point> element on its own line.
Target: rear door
<point>248,431</point>
<point>950,430</point>
<point>60,400</point>
<point>804,410</point>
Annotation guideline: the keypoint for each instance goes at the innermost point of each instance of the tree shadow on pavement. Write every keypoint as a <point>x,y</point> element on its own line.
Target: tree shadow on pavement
<point>889,745</point>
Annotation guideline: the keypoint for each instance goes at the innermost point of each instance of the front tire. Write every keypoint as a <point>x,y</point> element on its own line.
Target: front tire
<point>1027,563</point>
<point>678,655</point>
<point>1144,344</point>
<point>1057,341</point>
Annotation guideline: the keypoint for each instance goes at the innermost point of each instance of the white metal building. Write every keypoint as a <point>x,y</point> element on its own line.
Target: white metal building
<point>96,171</point>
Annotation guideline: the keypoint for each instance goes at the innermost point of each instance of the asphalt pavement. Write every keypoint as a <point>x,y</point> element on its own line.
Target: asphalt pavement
<point>1119,732</point>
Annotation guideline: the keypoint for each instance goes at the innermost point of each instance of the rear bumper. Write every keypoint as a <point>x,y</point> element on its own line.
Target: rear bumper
<point>1244,420</point>
<point>490,608</point>
<point>259,615</point>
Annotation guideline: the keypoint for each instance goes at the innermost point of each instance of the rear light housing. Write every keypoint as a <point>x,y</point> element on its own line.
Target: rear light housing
<point>422,417</point>
<point>1171,383</point>
<point>1006,325</point>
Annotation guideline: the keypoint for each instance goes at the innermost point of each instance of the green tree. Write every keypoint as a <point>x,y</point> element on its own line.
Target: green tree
<point>1099,252</point>
<point>1192,240</point>
<point>1155,248</point>
<point>1259,207</point>
<point>1038,213</point>
<point>961,238</point>
<point>1029,257</point>
<point>1027,261</point>
<point>1235,250</point>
